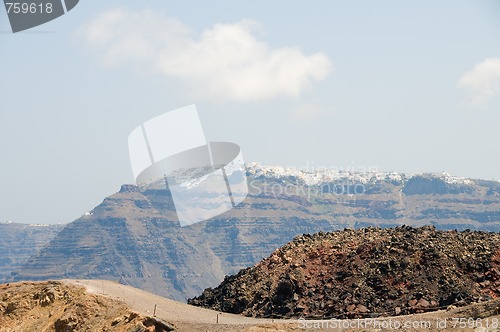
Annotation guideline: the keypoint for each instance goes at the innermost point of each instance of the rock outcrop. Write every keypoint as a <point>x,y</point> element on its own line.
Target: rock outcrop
<point>57,307</point>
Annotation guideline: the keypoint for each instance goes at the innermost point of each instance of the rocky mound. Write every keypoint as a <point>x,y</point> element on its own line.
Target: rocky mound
<point>367,272</point>
<point>53,306</point>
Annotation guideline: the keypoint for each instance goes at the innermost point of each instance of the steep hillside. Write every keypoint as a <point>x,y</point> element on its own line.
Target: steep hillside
<point>368,272</point>
<point>18,242</point>
<point>134,237</point>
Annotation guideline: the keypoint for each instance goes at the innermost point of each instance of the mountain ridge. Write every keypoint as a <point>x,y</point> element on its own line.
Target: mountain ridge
<point>19,242</point>
<point>133,236</point>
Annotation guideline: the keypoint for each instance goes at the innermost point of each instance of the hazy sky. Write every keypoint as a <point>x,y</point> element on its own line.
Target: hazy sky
<point>396,85</point>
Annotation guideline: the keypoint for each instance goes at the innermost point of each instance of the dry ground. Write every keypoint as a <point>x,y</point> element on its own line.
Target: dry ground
<point>99,305</point>
<point>189,318</point>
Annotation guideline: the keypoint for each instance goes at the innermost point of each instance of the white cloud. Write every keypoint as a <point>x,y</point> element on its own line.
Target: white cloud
<point>482,82</point>
<point>224,62</point>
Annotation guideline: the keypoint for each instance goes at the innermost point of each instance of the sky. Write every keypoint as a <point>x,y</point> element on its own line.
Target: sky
<point>407,86</point>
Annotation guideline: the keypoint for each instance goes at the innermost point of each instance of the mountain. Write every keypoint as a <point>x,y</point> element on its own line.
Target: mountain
<point>368,272</point>
<point>134,237</point>
<point>18,242</point>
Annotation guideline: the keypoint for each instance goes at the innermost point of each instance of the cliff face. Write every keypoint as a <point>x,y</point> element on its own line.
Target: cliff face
<point>18,242</point>
<point>133,236</point>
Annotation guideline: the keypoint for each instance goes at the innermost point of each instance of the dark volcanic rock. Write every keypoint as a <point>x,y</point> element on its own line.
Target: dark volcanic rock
<point>368,272</point>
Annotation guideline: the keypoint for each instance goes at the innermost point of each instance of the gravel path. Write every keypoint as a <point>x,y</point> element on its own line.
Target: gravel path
<point>189,318</point>
<point>184,316</point>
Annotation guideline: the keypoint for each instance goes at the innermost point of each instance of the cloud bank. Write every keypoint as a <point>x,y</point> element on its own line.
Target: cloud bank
<point>482,82</point>
<point>223,62</point>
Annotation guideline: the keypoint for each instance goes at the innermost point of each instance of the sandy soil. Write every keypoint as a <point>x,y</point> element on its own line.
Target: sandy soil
<point>53,306</point>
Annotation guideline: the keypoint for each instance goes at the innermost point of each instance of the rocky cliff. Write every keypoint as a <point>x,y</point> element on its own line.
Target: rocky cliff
<point>18,242</point>
<point>134,237</point>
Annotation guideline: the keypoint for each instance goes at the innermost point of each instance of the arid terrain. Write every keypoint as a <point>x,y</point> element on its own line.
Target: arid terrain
<point>99,305</point>
<point>61,307</point>
<point>362,273</point>
<point>134,237</point>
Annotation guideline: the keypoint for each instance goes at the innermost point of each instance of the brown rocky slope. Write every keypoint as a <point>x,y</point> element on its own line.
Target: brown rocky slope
<point>368,272</point>
<point>59,307</point>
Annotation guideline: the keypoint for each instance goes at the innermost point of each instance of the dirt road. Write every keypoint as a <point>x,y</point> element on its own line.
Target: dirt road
<point>183,316</point>
<point>478,317</point>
